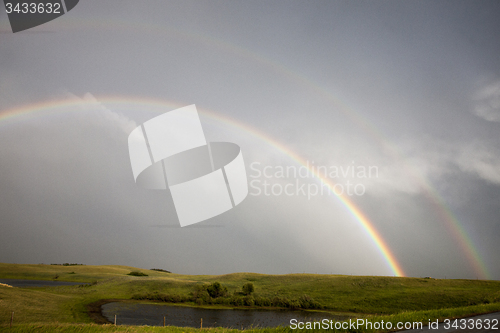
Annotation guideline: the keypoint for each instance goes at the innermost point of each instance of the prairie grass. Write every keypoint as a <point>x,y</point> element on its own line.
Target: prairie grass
<point>65,308</point>
<point>412,316</point>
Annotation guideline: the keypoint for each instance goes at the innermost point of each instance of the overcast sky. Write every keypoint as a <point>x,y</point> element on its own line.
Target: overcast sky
<point>411,89</point>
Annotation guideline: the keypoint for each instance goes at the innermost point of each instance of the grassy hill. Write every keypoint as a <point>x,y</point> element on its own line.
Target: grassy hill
<point>363,295</point>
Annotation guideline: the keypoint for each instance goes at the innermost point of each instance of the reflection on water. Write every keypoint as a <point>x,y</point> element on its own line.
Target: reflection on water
<point>152,315</point>
<point>37,283</point>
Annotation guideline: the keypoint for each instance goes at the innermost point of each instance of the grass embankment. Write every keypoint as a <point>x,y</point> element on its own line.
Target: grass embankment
<point>363,295</point>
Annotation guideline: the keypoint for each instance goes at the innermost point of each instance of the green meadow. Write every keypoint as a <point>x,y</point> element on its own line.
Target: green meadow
<point>73,308</point>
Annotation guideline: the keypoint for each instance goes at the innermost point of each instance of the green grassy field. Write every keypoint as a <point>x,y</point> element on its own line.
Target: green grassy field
<point>65,308</point>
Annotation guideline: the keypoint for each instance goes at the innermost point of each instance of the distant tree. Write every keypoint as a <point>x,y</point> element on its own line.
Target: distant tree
<point>160,270</point>
<point>248,288</point>
<point>216,290</point>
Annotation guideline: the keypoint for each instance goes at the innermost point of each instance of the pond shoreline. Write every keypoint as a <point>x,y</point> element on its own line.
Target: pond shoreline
<point>94,310</point>
<point>138,313</point>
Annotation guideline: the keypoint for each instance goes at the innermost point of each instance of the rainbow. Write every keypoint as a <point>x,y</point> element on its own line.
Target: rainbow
<point>451,222</point>
<point>53,107</point>
<point>446,215</point>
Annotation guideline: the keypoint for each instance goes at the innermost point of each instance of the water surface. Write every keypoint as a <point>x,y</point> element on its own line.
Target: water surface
<point>152,315</point>
<point>37,283</point>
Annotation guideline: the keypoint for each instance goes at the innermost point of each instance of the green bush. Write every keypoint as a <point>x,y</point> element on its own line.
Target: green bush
<point>215,293</point>
<point>307,302</point>
<point>248,301</point>
<point>156,296</point>
<point>237,301</point>
<point>248,288</point>
<point>160,270</point>
<point>201,295</point>
<point>262,301</point>
<point>216,290</point>
<point>137,273</point>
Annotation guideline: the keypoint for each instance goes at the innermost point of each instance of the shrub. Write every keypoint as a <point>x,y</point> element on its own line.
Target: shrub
<point>262,301</point>
<point>156,296</point>
<point>294,304</point>
<point>215,293</point>
<point>216,290</point>
<point>248,288</point>
<point>249,301</point>
<point>201,295</point>
<point>280,301</point>
<point>137,273</point>
<point>160,270</point>
<point>237,301</point>
<point>307,302</point>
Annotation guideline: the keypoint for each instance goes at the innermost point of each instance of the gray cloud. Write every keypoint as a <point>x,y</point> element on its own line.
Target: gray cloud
<point>482,161</point>
<point>488,102</point>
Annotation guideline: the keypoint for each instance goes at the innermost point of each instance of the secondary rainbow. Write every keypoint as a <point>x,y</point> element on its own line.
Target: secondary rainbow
<point>450,220</point>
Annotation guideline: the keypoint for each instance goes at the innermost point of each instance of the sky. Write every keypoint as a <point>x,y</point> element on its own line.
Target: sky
<point>398,101</point>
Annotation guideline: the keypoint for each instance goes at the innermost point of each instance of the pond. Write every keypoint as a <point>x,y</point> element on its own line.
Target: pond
<point>37,283</point>
<point>152,315</point>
